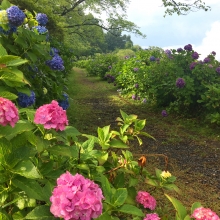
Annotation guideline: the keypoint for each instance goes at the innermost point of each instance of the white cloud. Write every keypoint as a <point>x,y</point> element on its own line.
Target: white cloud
<point>211,41</point>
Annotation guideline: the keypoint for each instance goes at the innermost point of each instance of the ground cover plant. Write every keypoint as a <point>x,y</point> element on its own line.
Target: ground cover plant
<point>48,168</point>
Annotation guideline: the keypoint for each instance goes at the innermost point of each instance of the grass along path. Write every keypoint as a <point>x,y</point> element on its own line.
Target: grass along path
<point>193,149</point>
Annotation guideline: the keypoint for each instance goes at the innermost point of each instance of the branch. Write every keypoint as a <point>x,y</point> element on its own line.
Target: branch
<point>72,8</point>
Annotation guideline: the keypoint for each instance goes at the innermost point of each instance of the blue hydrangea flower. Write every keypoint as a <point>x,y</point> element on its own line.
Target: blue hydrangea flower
<point>180,83</point>
<point>15,16</point>
<point>41,29</point>
<point>54,51</point>
<point>164,113</point>
<point>24,100</point>
<point>195,55</point>
<point>12,29</point>
<point>65,102</point>
<point>42,19</point>
<point>152,58</point>
<point>56,63</point>
<point>188,47</point>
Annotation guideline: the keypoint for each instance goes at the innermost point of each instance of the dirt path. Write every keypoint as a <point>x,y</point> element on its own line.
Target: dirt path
<point>194,164</point>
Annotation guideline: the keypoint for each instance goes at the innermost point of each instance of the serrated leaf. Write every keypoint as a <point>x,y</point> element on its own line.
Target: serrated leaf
<point>130,209</point>
<point>119,197</point>
<point>40,213</point>
<point>31,187</point>
<point>8,95</point>
<point>27,169</point>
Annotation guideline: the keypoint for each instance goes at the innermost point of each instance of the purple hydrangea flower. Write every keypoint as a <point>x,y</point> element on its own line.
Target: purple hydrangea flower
<point>56,63</point>
<point>109,67</point>
<point>158,59</point>
<point>42,19</point>
<point>152,58</point>
<point>195,55</point>
<point>136,85</point>
<point>218,69</point>
<point>136,69</point>
<point>213,53</point>
<point>168,52</point>
<point>25,100</point>
<point>206,60</point>
<point>41,29</point>
<point>164,113</point>
<point>15,16</point>
<point>133,96</point>
<point>192,65</point>
<point>144,100</point>
<point>188,47</point>
<point>180,83</point>
<point>179,50</point>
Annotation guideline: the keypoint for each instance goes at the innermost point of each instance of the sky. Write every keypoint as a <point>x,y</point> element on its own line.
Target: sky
<point>200,29</point>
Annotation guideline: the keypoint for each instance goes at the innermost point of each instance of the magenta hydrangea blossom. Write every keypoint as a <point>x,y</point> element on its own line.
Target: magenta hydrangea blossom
<point>8,112</point>
<point>76,198</point>
<point>152,216</point>
<point>204,214</point>
<point>51,116</point>
<point>146,200</point>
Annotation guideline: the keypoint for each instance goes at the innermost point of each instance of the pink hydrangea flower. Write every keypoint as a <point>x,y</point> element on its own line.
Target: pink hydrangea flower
<point>51,116</point>
<point>146,200</point>
<point>76,197</point>
<point>8,112</point>
<point>204,214</point>
<point>152,216</point>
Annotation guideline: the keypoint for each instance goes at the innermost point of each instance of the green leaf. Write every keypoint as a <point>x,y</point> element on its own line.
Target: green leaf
<point>60,150</point>
<point>31,187</point>
<point>195,206</point>
<point>3,51</point>
<point>32,56</point>
<point>27,169</point>
<point>106,216</point>
<point>151,182</point>
<point>4,215</point>
<point>130,209</point>
<point>8,95</point>
<point>181,210</point>
<point>114,143</point>
<point>106,187</point>
<point>40,213</point>
<point>119,197</point>
<point>187,218</point>
<point>5,4</point>
<point>11,60</point>
<point>20,127</point>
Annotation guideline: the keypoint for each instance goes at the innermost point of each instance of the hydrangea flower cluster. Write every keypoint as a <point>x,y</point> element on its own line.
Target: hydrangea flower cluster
<point>54,51</point>
<point>164,113</point>
<point>3,17</point>
<point>110,78</point>
<point>146,200</point>
<point>41,29</point>
<point>56,63</point>
<point>179,50</point>
<point>213,53</point>
<point>206,60</point>
<point>188,47</point>
<point>152,58</point>
<point>218,69</point>
<point>195,55</point>
<point>51,116</point>
<point>10,30</point>
<point>8,112</point>
<point>42,19</point>
<point>180,83</point>
<point>152,216</point>
<point>144,100</point>
<point>25,100</point>
<point>15,16</point>
<point>109,67</point>
<point>192,65</point>
<point>65,102</point>
<point>76,197</point>
<point>136,85</point>
<point>133,96</point>
<point>204,214</point>
<point>168,52</point>
<point>136,69</point>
